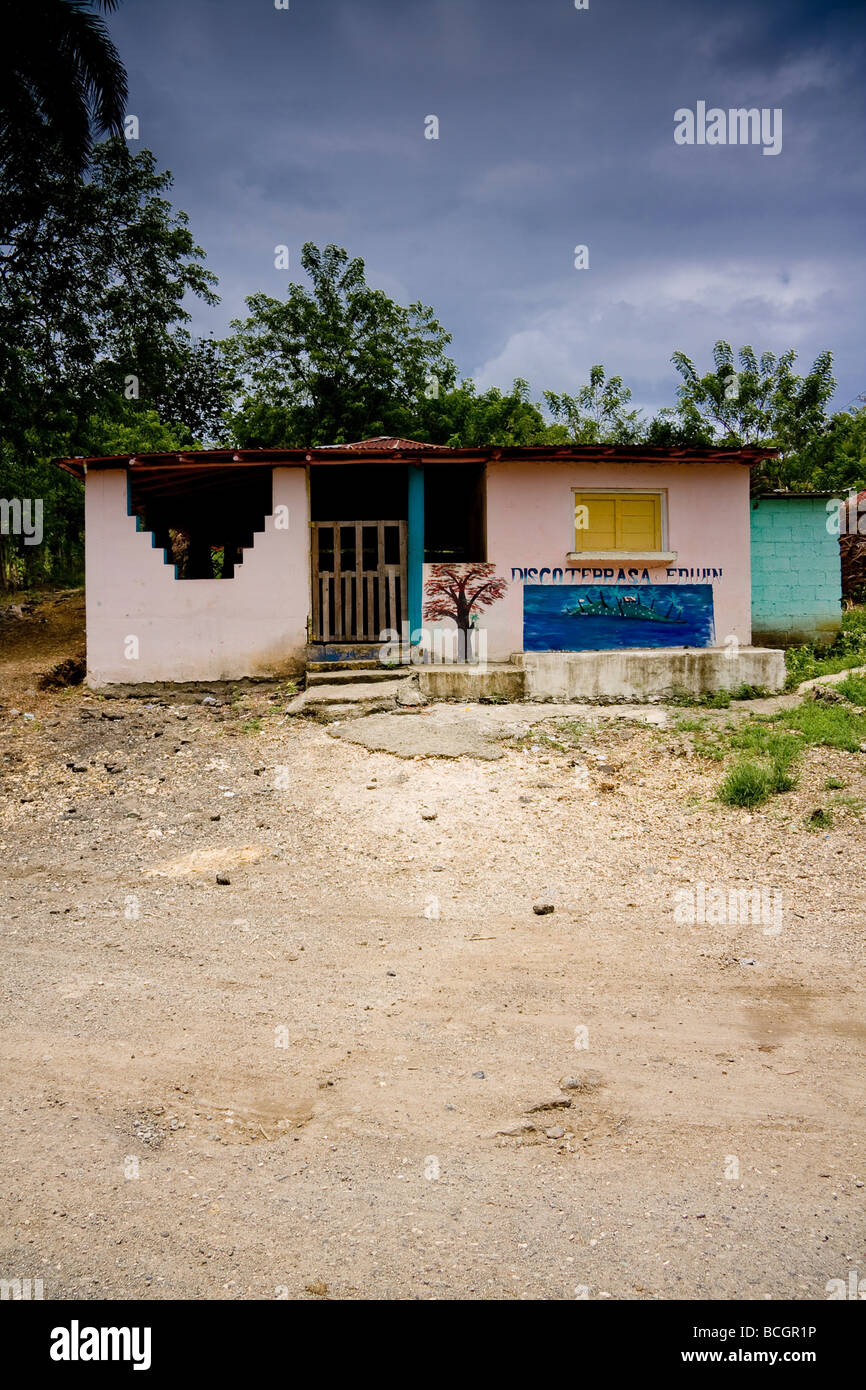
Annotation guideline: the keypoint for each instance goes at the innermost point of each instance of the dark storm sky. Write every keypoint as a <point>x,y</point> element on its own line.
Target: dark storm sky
<point>556,128</point>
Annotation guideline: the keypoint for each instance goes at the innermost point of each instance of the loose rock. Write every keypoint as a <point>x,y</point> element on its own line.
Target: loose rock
<point>587,1081</point>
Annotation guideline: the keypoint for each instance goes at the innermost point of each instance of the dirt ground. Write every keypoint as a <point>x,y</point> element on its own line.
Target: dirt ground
<point>292,1084</point>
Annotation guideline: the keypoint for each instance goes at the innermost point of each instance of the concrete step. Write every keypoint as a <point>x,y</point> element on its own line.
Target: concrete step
<point>354,691</point>
<point>499,680</point>
<point>354,675</point>
<point>343,651</point>
<point>369,664</point>
<point>350,699</point>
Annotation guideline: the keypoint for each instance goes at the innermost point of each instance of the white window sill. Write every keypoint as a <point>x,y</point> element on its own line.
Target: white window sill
<point>637,557</point>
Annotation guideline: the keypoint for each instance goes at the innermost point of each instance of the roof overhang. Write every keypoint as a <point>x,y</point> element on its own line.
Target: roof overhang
<point>328,455</point>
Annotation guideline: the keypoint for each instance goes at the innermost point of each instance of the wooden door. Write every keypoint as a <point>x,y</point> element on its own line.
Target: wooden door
<point>359,579</point>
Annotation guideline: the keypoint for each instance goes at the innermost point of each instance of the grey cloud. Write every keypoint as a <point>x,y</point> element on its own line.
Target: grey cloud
<point>556,128</point>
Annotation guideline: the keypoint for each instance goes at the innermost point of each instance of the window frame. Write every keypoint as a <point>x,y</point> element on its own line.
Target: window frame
<point>579,493</point>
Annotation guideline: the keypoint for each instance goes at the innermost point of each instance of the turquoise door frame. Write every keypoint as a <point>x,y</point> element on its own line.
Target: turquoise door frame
<point>415,557</point>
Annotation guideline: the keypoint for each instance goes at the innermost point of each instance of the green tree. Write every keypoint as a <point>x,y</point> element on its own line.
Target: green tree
<point>463,418</point>
<point>598,413</point>
<point>61,82</point>
<point>666,431</point>
<point>126,428</point>
<point>335,363</point>
<point>751,400</point>
<point>96,305</point>
<point>835,461</point>
<point>195,389</point>
<point>93,332</point>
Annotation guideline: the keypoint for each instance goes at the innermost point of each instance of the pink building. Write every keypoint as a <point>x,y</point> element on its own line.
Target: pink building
<point>224,564</point>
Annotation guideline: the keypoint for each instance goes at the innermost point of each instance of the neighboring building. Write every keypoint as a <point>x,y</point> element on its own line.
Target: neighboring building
<point>852,545</point>
<point>796,568</point>
<point>230,563</point>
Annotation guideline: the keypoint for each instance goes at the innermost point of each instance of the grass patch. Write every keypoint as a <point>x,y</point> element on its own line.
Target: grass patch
<point>819,819</point>
<point>827,726</point>
<point>572,728</point>
<point>750,692</point>
<point>774,745</point>
<point>689,726</point>
<point>775,749</point>
<point>854,689</point>
<point>781,748</point>
<point>536,740</point>
<point>746,784</point>
<point>782,778</point>
<point>562,737</point>
<point>770,746</point>
<point>706,746</point>
<point>708,699</point>
<point>846,650</point>
<point>715,699</point>
<point>765,768</point>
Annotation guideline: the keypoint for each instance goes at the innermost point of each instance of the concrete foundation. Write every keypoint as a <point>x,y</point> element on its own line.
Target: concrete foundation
<point>643,673</point>
<point>637,674</point>
<point>798,632</point>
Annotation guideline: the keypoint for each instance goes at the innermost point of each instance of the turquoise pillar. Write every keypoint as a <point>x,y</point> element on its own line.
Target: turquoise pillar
<point>415,557</point>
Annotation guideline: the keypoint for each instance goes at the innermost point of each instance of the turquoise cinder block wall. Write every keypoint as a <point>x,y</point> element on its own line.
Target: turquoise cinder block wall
<point>796,571</point>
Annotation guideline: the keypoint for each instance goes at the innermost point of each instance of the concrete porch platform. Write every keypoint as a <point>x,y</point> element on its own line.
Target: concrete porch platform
<point>636,674</point>
<point>499,680</point>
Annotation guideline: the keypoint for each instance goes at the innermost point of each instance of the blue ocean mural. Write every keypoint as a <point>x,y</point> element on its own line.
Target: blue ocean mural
<point>597,617</point>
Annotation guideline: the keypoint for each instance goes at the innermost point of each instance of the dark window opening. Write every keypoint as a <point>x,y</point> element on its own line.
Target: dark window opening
<point>454,529</point>
<point>358,492</point>
<point>202,518</point>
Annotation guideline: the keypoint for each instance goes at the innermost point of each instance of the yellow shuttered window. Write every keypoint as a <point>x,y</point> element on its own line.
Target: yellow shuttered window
<point>630,521</point>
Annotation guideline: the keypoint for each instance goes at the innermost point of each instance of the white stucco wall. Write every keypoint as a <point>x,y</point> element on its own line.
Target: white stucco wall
<point>194,629</point>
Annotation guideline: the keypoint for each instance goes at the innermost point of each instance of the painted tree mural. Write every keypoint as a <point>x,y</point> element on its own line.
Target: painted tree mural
<point>459,592</point>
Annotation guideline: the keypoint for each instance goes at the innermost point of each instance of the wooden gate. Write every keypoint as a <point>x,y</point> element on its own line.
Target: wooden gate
<point>359,579</point>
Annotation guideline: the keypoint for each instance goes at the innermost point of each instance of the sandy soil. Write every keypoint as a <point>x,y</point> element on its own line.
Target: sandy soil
<point>292,1084</point>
